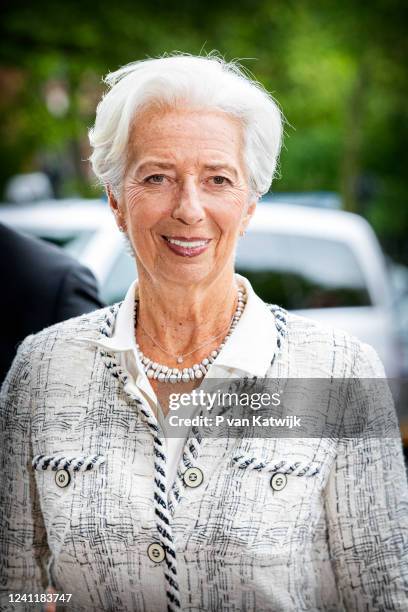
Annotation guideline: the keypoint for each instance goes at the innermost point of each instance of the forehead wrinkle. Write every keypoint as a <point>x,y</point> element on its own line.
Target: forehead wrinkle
<point>167,141</point>
<point>156,164</point>
<point>151,127</point>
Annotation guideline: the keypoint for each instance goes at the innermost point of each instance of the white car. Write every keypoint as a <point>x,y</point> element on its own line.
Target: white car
<point>323,264</point>
<point>326,265</point>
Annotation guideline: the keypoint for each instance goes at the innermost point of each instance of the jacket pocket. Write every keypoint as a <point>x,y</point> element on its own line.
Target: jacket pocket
<point>60,477</point>
<point>285,497</point>
<point>57,478</point>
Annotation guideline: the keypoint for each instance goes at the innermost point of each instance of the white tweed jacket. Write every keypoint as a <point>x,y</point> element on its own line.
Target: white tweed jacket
<point>334,538</point>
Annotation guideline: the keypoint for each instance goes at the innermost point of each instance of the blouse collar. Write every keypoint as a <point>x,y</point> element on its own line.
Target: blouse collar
<point>250,348</point>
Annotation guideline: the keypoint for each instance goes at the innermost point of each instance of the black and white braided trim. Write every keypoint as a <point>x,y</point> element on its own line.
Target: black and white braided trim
<point>161,509</point>
<point>280,315</point>
<point>76,463</point>
<point>295,468</point>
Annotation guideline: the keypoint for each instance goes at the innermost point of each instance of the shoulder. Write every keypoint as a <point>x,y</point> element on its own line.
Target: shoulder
<point>18,243</point>
<point>88,324</point>
<point>57,361</point>
<point>303,331</point>
<point>320,349</point>
<point>61,351</point>
<point>21,248</point>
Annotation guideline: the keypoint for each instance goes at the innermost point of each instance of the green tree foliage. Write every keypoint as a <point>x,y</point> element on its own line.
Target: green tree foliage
<point>336,67</point>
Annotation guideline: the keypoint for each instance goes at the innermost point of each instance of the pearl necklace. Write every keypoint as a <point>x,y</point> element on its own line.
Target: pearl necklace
<point>165,374</point>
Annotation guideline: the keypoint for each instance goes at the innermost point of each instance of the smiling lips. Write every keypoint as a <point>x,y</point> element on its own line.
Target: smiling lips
<point>190,247</point>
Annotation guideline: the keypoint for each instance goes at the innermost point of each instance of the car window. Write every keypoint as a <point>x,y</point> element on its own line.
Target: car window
<point>73,244</point>
<point>299,272</point>
<point>121,275</point>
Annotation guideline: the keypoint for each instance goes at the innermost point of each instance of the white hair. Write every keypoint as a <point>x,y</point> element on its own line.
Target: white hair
<point>204,82</point>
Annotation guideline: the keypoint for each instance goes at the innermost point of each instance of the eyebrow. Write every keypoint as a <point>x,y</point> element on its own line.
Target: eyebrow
<point>170,166</point>
<point>218,167</point>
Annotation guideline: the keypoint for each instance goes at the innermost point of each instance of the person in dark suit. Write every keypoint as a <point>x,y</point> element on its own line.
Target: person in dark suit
<point>41,285</point>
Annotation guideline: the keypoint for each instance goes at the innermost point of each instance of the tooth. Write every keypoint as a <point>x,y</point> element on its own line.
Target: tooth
<point>185,243</point>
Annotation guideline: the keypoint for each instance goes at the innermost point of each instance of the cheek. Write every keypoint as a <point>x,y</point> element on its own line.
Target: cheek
<point>229,216</point>
<point>232,207</point>
<point>143,210</point>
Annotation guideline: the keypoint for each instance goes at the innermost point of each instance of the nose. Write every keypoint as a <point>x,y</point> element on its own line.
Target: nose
<point>189,209</point>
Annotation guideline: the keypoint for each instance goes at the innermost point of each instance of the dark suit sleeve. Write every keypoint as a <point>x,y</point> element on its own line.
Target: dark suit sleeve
<point>77,294</point>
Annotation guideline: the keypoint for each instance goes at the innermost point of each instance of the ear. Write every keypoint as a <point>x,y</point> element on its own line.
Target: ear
<point>248,214</point>
<point>115,208</point>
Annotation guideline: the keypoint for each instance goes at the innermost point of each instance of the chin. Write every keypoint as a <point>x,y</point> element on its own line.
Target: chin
<point>185,275</point>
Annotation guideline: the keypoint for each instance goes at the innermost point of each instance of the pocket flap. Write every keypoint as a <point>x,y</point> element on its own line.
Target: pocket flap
<point>72,463</point>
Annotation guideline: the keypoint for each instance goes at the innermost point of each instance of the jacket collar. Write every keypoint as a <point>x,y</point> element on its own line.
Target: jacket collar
<point>250,348</point>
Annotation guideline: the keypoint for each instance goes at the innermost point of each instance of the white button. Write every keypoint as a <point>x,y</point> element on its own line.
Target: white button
<point>156,552</point>
<point>62,478</point>
<point>193,477</point>
<point>278,481</point>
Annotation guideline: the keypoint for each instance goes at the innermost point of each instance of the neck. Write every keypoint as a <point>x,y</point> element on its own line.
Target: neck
<point>181,318</point>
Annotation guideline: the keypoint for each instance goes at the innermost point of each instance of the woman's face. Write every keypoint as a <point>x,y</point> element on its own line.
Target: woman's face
<point>185,196</point>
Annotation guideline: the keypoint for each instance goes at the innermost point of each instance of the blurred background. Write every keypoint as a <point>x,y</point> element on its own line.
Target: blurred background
<point>330,240</point>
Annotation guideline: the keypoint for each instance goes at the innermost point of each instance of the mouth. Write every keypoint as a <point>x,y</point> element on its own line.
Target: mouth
<point>186,247</point>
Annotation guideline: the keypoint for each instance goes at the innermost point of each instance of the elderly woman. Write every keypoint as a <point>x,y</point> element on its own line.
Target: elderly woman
<point>96,501</point>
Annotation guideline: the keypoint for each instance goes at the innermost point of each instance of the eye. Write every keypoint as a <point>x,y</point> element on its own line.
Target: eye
<point>220,180</point>
<point>155,179</point>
